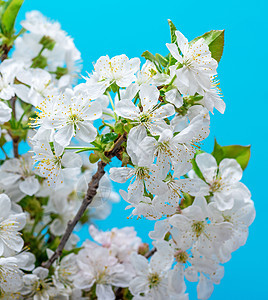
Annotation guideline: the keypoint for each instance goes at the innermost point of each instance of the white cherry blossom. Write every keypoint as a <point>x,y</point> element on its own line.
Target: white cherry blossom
<point>196,64</point>
<point>20,171</point>
<point>49,162</point>
<point>223,181</point>
<point>152,114</point>
<point>10,225</point>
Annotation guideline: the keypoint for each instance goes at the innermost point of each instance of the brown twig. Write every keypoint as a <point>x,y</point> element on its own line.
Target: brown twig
<point>91,192</point>
<point>5,50</point>
<point>150,253</point>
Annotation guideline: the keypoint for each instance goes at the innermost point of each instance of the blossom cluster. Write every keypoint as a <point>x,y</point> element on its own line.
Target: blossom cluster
<point>151,117</point>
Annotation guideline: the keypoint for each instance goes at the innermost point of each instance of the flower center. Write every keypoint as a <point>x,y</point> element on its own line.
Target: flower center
<point>144,118</point>
<point>215,186</point>
<point>198,228</point>
<point>181,256</point>
<point>154,280</point>
<point>142,173</point>
<point>74,119</point>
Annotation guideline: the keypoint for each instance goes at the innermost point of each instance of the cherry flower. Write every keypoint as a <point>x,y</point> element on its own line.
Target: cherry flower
<point>37,85</point>
<point>147,75</point>
<point>120,242</point>
<point>241,216</point>
<point>10,275</point>
<point>20,170</point>
<point>62,59</point>
<point>119,70</point>
<point>98,267</point>
<point>195,65</point>
<point>73,116</point>
<point>50,162</point>
<point>5,114</point>
<point>212,97</point>
<point>8,70</point>
<point>141,176</point>
<point>64,271</point>
<point>223,181</point>
<point>151,117</point>
<point>38,285</point>
<point>194,228</point>
<point>151,278</point>
<point>10,225</point>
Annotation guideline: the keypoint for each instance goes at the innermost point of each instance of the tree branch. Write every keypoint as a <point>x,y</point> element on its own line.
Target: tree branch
<point>91,192</point>
<point>150,253</point>
<point>4,52</point>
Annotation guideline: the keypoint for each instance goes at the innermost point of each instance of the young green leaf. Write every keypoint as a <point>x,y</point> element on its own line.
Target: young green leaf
<point>240,153</point>
<point>161,59</point>
<point>109,137</point>
<point>173,29</point>
<point>9,15</point>
<point>149,56</point>
<point>215,41</point>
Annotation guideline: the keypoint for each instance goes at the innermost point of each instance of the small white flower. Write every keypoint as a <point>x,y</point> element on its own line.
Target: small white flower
<point>8,70</point>
<point>38,285</point>
<point>152,115</point>
<point>120,242</point>
<point>151,278</point>
<point>10,225</point>
<point>98,267</point>
<point>73,116</point>
<point>197,65</point>
<point>118,69</point>
<point>20,171</point>
<point>223,181</point>
<point>49,163</point>
<point>10,275</point>
<point>195,228</point>
<point>37,86</point>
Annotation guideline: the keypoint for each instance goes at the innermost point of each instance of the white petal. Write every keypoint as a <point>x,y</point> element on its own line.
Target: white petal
<point>86,131</point>
<point>71,160</point>
<point>207,165</point>
<point>230,170</point>
<point>29,186</point>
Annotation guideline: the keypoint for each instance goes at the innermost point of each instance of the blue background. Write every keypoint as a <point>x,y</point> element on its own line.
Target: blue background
<point>130,27</point>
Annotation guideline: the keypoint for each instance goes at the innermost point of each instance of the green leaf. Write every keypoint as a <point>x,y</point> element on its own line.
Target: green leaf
<point>215,41</point>
<point>240,153</point>
<point>9,15</point>
<point>161,59</point>
<point>109,137</point>
<point>173,29</point>
<point>149,56</point>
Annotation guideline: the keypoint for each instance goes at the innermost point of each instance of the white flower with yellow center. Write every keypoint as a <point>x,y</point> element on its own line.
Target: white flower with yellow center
<point>10,275</point>
<point>194,65</point>
<point>195,227</point>
<point>38,285</point>
<point>151,116</point>
<point>73,116</point>
<point>223,181</point>
<point>151,279</point>
<point>98,267</point>
<point>49,162</point>
<point>119,70</point>
<point>10,225</point>
<point>19,171</point>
